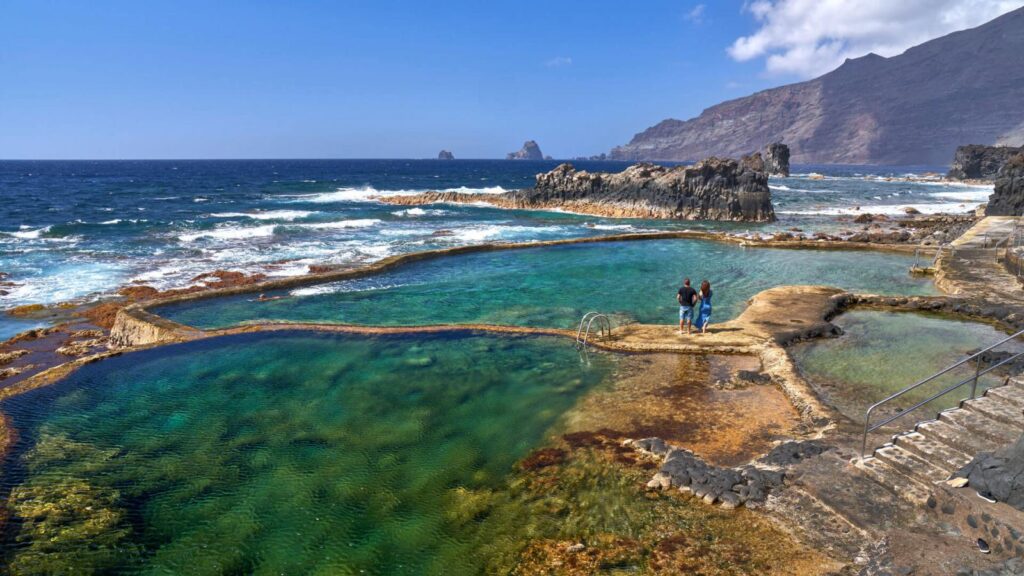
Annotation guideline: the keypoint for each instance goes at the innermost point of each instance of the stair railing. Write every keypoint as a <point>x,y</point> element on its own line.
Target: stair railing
<point>972,380</point>
<point>604,326</point>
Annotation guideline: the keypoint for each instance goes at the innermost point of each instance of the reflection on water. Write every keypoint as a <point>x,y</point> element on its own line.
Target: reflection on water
<point>555,286</point>
<point>881,353</point>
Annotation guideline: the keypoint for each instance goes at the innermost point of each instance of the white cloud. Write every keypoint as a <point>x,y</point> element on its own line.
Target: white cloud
<point>558,61</point>
<point>696,14</point>
<point>807,38</point>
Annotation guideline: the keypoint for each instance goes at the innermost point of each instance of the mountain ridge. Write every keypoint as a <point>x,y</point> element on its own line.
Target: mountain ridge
<point>913,108</point>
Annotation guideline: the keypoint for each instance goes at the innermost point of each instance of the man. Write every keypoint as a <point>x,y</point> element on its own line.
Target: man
<point>687,298</point>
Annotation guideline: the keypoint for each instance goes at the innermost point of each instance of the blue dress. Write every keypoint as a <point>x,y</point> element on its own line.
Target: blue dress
<point>704,313</point>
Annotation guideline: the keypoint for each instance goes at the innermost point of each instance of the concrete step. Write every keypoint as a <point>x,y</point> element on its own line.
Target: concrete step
<point>818,525</point>
<point>955,436</point>
<point>910,465</point>
<point>908,488</point>
<point>1007,413</point>
<point>1016,381</point>
<point>1010,394</point>
<point>998,433</point>
<point>933,451</point>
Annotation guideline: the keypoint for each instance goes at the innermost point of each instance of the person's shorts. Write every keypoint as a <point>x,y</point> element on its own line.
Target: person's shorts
<point>686,313</point>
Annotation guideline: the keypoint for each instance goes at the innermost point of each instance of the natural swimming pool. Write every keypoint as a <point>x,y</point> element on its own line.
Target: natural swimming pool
<point>287,453</point>
<point>882,352</point>
<point>554,286</point>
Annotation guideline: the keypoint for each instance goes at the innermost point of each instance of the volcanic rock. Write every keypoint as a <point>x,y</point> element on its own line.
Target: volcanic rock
<point>529,151</point>
<point>1008,197</point>
<point>445,155</point>
<point>776,159</point>
<point>978,162</point>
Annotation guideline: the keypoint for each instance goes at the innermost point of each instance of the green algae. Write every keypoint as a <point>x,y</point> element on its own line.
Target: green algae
<point>882,352</point>
<point>285,453</point>
<point>554,286</point>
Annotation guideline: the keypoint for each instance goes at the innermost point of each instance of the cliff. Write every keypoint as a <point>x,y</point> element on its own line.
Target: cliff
<point>1008,197</point>
<point>975,161</point>
<point>914,108</point>
<point>715,189</point>
<point>529,151</point>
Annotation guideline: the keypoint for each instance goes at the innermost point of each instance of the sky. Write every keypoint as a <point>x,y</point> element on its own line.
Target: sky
<point>389,79</point>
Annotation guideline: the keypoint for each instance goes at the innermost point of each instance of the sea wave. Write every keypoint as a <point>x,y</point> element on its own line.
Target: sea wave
<point>229,233</point>
<point>357,223</point>
<point>28,233</point>
<point>369,193</point>
<point>889,210</point>
<point>266,215</point>
<point>420,212</point>
<point>971,196</point>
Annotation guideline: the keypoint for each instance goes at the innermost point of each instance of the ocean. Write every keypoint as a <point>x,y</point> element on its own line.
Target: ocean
<point>78,230</point>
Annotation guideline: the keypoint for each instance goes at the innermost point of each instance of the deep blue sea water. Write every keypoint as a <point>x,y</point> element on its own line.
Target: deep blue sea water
<point>75,230</point>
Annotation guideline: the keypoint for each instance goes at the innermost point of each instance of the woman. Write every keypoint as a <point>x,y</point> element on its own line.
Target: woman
<point>703,307</point>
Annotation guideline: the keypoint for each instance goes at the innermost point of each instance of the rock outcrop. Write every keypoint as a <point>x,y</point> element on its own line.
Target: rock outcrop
<point>998,475</point>
<point>529,151</point>
<point>1008,197</point>
<point>715,189</point>
<point>914,108</point>
<point>445,155</point>
<point>776,159</point>
<point>979,162</point>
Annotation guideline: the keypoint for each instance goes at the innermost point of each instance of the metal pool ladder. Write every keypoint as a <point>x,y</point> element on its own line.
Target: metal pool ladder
<point>604,327</point>
<point>972,380</point>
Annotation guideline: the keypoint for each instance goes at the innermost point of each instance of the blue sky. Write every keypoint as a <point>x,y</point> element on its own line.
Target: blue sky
<point>363,79</point>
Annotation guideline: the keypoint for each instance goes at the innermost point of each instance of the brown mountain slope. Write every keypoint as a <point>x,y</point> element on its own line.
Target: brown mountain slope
<point>915,108</point>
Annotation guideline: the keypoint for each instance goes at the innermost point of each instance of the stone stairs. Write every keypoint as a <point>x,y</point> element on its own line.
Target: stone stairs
<point>914,461</point>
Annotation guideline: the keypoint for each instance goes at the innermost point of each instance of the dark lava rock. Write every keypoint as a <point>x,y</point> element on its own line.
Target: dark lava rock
<point>714,189</point>
<point>979,162</point>
<point>776,159</point>
<point>794,452</point>
<point>445,155</point>
<point>529,151</point>
<point>1008,197</point>
<point>999,475</point>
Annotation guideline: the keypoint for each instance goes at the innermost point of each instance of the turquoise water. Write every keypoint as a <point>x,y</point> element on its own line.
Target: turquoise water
<point>555,286</point>
<point>881,353</point>
<point>291,453</point>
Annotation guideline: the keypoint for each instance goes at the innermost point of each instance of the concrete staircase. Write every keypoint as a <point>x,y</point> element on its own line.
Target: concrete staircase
<point>914,461</point>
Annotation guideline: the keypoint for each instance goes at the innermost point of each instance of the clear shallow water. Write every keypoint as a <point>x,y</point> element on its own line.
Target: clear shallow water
<point>289,453</point>
<point>555,286</point>
<point>74,230</point>
<point>881,353</point>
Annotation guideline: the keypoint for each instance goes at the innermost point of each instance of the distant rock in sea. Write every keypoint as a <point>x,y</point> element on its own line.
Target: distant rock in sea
<point>529,151</point>
<point>776,159</point>
<point>1008,197</point>
<point>445,155</point>
<point>715,189</point>
<point>596,157</point>
<point>979,162</point>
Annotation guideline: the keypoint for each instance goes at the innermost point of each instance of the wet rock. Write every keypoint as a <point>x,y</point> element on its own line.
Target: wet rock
<point>81,348</point>
<point>8,357</point>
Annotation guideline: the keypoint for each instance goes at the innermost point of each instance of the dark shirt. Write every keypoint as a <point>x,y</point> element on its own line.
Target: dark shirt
<point>687,295</point>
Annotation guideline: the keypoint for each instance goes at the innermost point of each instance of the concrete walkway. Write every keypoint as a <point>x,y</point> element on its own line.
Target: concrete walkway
<point>974,267</point>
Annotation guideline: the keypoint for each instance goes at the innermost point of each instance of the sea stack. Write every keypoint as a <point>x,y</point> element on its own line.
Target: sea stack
<point>715,189</point>
<point>1008,197</point>
<point>445,155</point>
<point>776,159</point>
<point>979,162</point>
<point>529,151</point>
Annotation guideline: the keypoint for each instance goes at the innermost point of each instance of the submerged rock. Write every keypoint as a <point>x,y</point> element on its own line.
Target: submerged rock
<point>979,162</point>
<point>1008,197</point>
<point>529,151</point>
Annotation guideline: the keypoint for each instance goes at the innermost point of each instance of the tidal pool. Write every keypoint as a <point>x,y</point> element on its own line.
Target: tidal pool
<point>287,453</point>
<point>554,286</point>
<point>881,353</point>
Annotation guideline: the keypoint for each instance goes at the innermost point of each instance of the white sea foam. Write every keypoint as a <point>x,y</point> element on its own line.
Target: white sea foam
<point>357,223</point>
<point>967,196</point>
<point>612,227</point>
<point>288,215</point>
<point>420,212</point>
<point>229,233</point>
<point>891,210</point>
<point>368,193</point>
<point>778,187</point>
<point>27,233</point>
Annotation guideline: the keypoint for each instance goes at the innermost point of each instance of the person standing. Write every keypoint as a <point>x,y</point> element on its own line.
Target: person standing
<point>687,298</point>
<point>704,307</point>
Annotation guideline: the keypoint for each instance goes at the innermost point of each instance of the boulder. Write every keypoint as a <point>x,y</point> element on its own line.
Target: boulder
<point>445,155</point>
<point>776,159</point>
<point>529,151</point>
<point>978,162</point>
<point>998,475</point>
<point>1008,197</point>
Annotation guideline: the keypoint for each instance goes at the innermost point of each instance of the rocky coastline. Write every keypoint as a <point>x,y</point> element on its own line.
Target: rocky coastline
<point>714,189</point>
<point>1008,197</point>
<point>980,162</point>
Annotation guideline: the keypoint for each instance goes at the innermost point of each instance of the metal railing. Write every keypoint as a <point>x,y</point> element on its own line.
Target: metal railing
<point>1013,257</point>
<point>972,380</point>
<point>935,258</point>
<point>604,326</point>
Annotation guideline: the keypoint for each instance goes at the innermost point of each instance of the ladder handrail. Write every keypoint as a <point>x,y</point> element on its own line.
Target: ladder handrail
<point>868,428</point>
<point>604,324</point>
